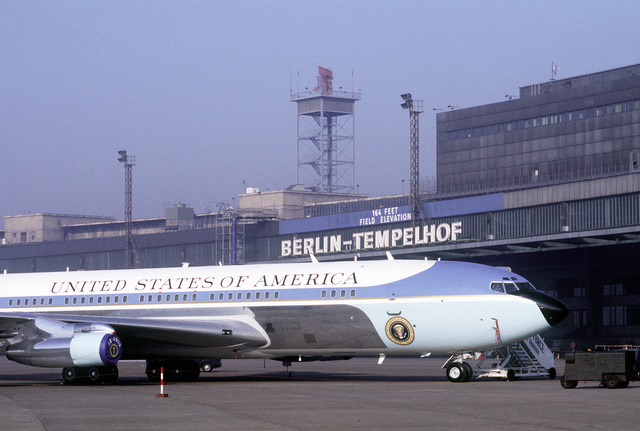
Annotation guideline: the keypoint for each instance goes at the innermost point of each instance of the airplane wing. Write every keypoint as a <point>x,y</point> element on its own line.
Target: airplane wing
<point>232,332</point>
<point>228,332</point>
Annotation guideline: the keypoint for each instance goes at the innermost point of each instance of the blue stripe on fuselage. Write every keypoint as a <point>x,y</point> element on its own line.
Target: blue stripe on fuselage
<point>447,278</point>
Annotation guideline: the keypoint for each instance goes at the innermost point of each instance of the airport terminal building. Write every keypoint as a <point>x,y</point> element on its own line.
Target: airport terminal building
<point>547,183</point>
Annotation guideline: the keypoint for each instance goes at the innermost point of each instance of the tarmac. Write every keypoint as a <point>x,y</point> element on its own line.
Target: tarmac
<point>359,394</point>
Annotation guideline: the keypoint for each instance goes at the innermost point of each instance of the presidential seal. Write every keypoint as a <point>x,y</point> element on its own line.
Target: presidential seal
<point>400,331</point>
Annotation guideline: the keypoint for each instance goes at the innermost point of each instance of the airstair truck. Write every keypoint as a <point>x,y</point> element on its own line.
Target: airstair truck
<point>613,369</point>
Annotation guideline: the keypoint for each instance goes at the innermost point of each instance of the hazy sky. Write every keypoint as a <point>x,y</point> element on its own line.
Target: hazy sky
<point>198,91</point>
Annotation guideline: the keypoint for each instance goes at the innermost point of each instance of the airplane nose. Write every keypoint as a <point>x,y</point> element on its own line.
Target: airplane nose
<point>553,310</point>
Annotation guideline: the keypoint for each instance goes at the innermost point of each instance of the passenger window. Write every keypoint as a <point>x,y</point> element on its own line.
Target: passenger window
<point>212,297</point>
<point>159,298</point>
<point>221,296</point>
<point>267,295</point>
<point>107,300</point>
<point>276,295</point>
<point>50,301</point>
<point>82,300</point>
<point>194,297</point>
<point>150,298</point>
<point>248,295</point>
<point>141,298</point>
<point>10,302</point>
<point>324,294</point>
<point>497,287</point>
<point>230,296</point>
<point>99,300</point>
<point>343,293</point>
<point>257,295</point>
<point>168,298</point>
<point>176,298</point>
<point>116,299</point>
<point>75,301</point>
<point>353,293</point>
<point>90,300</point>
<point>333,293</point>
<point>239,296</point>
<point>41,301</point>
<point>124,298</point>
<point>66,301</point>
<point>184,297</point>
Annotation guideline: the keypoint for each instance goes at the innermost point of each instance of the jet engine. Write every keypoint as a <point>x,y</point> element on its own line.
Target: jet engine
<point>68,345</point>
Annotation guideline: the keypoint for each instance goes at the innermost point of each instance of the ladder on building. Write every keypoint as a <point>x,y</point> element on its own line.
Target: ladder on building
<point>229,230</point>
<point>527,358</point>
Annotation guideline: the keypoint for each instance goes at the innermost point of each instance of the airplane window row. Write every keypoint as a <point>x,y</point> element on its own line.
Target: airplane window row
<point>247,296</point>
<point>84,300</point>
<point>343,293</point>
<point>74,301</point>
<point>28,301</point>
<point>156,298</point>
<point>168,297</point>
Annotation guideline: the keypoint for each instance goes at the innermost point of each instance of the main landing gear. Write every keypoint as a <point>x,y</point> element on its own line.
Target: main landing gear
<point>90,375</point>
<point>174,371</point>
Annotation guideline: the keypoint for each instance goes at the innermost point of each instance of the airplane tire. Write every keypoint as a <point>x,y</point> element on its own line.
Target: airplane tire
<point>70,375</point>
<point>511,375</point>
<point>95,374</point>
<point>456,372</point>
<point>191,371</point>
<point>153,371</point>
<point>552,373</point>
<point>173,371</point>
<point>109,373</point>
<point>469,371</point>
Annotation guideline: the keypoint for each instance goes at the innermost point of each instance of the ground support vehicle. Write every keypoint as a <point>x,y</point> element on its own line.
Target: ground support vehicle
<point>612,369</point>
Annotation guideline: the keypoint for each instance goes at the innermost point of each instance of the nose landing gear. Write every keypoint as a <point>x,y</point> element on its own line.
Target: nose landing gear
<point>459,372</point>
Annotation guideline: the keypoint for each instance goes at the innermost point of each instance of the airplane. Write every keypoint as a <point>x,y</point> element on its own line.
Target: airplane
<point>178,318</point>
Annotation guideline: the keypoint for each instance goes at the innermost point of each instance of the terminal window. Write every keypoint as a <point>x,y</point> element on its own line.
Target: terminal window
<point>614,315</point>
<point>613,289</point>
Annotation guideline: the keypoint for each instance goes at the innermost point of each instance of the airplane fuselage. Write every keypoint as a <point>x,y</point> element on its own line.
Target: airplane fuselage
<point>282,311</point>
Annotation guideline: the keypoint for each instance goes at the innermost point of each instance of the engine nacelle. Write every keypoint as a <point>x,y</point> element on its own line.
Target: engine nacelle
<point>80,350</point>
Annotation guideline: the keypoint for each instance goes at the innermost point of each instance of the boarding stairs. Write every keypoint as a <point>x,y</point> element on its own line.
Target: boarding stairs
<point>528,358</point>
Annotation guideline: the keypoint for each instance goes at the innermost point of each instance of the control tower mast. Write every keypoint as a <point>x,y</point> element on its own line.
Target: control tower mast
<point>326,124</point>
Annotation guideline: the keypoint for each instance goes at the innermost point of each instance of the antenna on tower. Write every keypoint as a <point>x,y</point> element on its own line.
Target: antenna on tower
<point>554,70</point>
<point>326,149</point>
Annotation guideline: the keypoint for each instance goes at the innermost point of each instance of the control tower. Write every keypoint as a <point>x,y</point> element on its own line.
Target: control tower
<point>326,150</point>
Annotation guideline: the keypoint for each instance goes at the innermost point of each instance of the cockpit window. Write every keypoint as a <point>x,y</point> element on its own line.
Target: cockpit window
<point>525,286</point>
<point>510,287</point>
<point>497,286</point>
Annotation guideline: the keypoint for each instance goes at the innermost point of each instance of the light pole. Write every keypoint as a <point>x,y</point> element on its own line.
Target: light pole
<point>415,108</point>
<point>129,162</point>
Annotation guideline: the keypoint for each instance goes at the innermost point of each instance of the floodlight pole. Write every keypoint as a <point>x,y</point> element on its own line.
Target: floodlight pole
<point>129,162</point>
<point>415,108</point>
